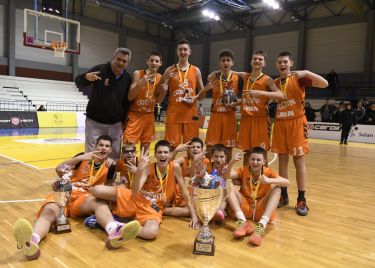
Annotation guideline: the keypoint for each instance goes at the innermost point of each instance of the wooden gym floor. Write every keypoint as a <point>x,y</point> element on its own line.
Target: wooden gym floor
<point>338,232</point>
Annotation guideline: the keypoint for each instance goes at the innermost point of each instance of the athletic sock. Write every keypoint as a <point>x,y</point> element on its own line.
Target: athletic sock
<point>240,216</point>
<point>36,237</point>
<point>264,220</point>
<point>301,195</point>
<point>110,227</point>
<point>284,191</point>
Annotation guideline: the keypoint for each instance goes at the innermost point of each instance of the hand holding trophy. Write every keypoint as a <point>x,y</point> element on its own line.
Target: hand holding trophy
<point>207,195</point>
<point>229,97</point>
<point>62,189</point>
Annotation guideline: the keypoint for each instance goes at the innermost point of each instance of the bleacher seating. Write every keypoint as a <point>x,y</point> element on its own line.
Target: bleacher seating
<point>40,92</point>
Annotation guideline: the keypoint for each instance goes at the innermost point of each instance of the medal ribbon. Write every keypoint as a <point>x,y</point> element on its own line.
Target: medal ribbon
<point>93,179</point>
<point>283,86</point>
<point>221,79</point>
<point>149,89</point>
<point>158,175</point>
<point>180,73</point>
<point>252,82</point>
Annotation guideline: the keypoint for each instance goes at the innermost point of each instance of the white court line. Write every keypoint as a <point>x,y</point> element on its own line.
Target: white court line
<point>63,264</point>
<point>48,181</point>
<point>7,222</point>
<point>21,201</point>
<point>26,164</point>
<point>273,159</point>
<point>5,237</point>
<point>11,266</point>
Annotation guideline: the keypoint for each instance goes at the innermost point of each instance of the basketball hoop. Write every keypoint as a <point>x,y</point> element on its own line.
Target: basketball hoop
<point>59,47</point>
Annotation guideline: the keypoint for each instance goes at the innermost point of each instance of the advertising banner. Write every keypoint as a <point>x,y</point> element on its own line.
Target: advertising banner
<point>18,119</point>
<point>57,119</point>
<point>81,118</point>
<point>332,131</point>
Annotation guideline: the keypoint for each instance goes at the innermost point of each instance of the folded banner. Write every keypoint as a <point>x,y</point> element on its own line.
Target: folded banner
<point>18,119</point>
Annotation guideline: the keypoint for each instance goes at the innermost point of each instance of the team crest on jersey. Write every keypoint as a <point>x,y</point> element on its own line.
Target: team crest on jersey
<point>106,82</point>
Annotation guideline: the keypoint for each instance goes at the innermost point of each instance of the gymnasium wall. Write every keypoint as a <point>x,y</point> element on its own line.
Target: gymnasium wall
<point>273,44</point>
<point>236,45</point>
<point>2,31</point>
<point>97,46</point>
<point>196,57</point>
<point>140,50</point>
<point>338,47</point>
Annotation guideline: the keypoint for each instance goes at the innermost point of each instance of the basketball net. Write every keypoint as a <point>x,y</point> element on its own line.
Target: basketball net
<point>59,48</point>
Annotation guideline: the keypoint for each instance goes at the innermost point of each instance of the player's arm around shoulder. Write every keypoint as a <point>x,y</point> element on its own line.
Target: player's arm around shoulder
<point>317,80</point>
<point>275,91</point>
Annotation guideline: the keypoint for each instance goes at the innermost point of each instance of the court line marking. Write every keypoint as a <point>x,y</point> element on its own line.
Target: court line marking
<point>17,161</point>
<point>11,266</point>
<point>5,237</point>
<point>7,222</point>
<point>273,159</point>
<point>63,264</point>
<point>21,201</point>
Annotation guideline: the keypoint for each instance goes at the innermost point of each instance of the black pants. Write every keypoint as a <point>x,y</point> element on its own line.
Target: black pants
<point>345,129</point>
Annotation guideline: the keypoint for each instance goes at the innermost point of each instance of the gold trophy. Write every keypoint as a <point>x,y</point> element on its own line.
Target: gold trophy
<point>206,199</point>
<point>62,189</point>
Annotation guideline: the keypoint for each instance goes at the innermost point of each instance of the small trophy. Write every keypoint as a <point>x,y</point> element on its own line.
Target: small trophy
<point>229,97</point>
<point>62,189</point>
<point>207,195</point>
<point>187,98</point>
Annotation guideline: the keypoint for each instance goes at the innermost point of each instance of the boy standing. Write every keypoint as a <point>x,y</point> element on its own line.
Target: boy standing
<point>142,93</point>
<point>183,79</point>
<point>290,127</point>
<point>257,91</point>
<point>89,169</point>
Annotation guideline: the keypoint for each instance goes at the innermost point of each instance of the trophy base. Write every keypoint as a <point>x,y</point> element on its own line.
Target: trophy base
<point>62,228</point>
<point>204,248</point>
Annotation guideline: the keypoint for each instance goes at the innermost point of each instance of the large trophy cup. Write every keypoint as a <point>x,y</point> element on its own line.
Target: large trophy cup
<point>207,195</point>
<point>62,189</point>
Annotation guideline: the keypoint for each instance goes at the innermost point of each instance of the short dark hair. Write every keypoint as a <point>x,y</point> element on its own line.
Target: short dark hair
<point>198,140</point>
<point>259,150</point>
<point>183,41</point>
<point>226,53</point>
<point>155,53</point>
<point>285,54</point>
<point>104,138</point>
<point>260,52</point>
<point>219,148</point>
<point>163,143</point>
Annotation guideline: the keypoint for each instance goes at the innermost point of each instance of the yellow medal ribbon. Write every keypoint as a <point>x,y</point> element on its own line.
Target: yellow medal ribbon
<point>131,175</point>
<point>158,175</point>
<point>221,79</point>
<point>180,73</point>
<point>252,82</point>
<point>254,193</point>
<point>93,179</point>
<point>283,86</point>
<point>149,89</point>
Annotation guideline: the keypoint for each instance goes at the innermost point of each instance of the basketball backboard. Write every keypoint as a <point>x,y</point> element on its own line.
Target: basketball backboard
<point>40,29</point>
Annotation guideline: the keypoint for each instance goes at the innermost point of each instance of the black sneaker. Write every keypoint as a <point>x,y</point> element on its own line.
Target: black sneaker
<point>284,201</point>
<point>301,208</point>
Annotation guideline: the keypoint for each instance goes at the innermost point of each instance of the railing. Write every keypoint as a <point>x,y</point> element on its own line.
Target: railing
<point>16,105</point>
<point>66,106</point>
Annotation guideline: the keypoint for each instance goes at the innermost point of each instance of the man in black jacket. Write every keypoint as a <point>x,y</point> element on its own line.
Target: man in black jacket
<point>347,119</point>
<point>108,105</point>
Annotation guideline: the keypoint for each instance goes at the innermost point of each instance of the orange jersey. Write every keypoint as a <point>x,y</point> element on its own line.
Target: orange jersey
<point>81,176</point>
<point>187,163</point>
<point>294,89</point>
<point>146,99</point>
<point>254,106</point>
<point>217,92</point>
<point>244,174</point>
<point>153,190</point>
<point>179,111</point>
<point>125,173</point>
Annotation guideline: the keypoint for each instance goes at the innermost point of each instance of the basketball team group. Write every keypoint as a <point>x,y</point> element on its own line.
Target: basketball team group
<point>120,114</point>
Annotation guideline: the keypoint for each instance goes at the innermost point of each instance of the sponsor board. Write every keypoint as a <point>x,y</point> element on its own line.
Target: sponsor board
<point>81,118</point>
<point>15,119</point>
<point>332,131</point>
<point>54,141</point>
<point>57,119</point>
